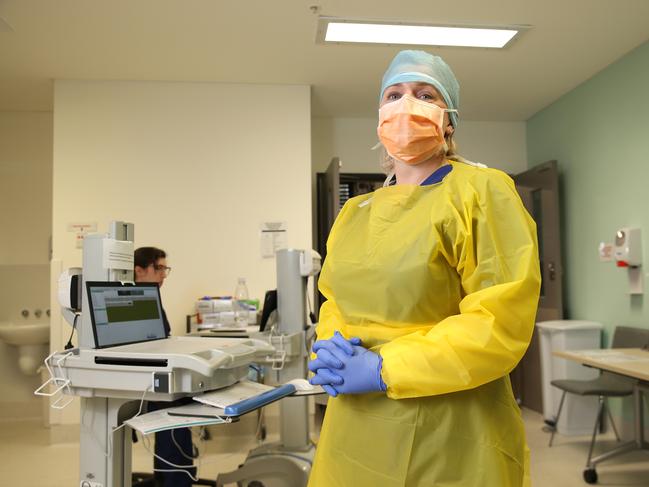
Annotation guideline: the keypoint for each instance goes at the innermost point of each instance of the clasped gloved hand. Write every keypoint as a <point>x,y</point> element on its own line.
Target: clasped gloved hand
<point>345,367</point>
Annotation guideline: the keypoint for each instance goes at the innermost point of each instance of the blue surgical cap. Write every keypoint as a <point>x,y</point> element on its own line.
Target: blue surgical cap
<point>419,66</point>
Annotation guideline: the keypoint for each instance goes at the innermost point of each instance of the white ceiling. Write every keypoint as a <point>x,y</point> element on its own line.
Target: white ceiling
<point>273,41</point>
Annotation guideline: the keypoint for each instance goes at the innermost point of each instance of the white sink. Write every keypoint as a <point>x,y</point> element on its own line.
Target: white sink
<point>25,334</point>
<point>31,340</point>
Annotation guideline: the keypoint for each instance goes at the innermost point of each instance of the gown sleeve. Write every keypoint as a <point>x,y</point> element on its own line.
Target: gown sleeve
<point>490,240</point>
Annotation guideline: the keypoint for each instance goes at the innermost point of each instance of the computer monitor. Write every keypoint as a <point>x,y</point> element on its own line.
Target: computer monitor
<point>123,314</point>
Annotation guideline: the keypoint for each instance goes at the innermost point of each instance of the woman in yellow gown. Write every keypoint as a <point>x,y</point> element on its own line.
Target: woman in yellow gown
<point>432,284</point>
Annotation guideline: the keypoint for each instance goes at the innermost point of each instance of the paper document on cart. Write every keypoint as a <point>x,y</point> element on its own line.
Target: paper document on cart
<point>222,398</point>
<point>160,421</point>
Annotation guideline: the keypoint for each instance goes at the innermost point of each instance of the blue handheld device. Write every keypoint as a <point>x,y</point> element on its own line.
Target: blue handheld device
<point>252,403</point>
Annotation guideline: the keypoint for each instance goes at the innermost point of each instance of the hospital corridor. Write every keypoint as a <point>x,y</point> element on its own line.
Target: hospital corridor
<point>324,243</point>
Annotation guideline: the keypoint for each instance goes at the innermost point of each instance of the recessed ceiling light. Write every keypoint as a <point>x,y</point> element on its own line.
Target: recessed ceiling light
<point>335,30</point>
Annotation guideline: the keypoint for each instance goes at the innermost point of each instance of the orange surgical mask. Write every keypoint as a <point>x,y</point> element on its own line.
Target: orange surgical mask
<point>411,130</point>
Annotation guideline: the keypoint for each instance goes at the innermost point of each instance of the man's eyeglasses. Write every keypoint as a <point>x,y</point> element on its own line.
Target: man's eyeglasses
<point>162,268</point>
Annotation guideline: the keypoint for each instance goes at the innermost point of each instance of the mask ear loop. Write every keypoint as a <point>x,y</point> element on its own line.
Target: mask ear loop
<point>388,179</point>
<point>386,183</point>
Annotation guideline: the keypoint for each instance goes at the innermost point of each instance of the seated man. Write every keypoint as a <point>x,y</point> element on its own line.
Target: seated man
<point>174,446</point>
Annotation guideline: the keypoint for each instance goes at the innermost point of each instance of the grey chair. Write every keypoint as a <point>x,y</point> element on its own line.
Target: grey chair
<point>606,385</point>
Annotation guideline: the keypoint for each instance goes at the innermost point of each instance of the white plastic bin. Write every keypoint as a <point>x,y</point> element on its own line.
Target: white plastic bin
<point>578,414</point>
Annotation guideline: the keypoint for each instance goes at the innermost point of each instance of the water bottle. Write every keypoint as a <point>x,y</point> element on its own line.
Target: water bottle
<point>239,303</point>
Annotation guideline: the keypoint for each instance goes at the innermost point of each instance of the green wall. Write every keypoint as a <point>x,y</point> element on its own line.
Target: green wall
<point>599,134</point>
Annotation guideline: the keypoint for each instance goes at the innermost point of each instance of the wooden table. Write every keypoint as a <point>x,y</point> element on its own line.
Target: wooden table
<point>628,362</point>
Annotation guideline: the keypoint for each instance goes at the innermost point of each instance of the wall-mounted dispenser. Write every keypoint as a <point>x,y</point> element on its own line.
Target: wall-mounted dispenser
<point>628,253</point>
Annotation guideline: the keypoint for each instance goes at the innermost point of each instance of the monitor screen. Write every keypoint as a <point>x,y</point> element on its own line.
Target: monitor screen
<point>123,314</point>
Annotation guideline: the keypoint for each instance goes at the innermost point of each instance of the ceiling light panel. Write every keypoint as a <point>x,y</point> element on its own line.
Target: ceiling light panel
<point>365,32</point>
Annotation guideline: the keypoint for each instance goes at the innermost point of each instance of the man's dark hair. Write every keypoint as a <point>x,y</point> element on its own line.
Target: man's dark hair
<point>145,256</point>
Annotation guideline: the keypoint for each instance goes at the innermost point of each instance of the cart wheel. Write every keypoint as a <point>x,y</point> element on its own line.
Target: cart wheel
<point>590,476</point>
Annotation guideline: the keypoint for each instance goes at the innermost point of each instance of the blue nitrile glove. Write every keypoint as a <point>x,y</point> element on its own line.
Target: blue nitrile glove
<point>361,372</point>
<point>329,353</point>
<point>326,378</point>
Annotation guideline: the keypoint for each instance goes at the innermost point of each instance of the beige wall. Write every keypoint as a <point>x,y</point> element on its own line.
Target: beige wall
<point>197,167</point>
<point>25,220</point>
<point>25,187</point>
<point>497,144</point>
<point>351,139</point>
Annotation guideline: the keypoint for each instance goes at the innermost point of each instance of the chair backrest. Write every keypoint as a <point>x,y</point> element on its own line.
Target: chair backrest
<point>627,337</point>
<point>630,337</point>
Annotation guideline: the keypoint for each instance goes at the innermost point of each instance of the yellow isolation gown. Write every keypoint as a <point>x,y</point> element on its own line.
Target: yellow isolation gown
<point>443,281</point>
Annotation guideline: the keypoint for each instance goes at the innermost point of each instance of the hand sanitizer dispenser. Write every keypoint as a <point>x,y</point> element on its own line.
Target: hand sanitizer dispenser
<point>628,247</point>
<point>628,253</point>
